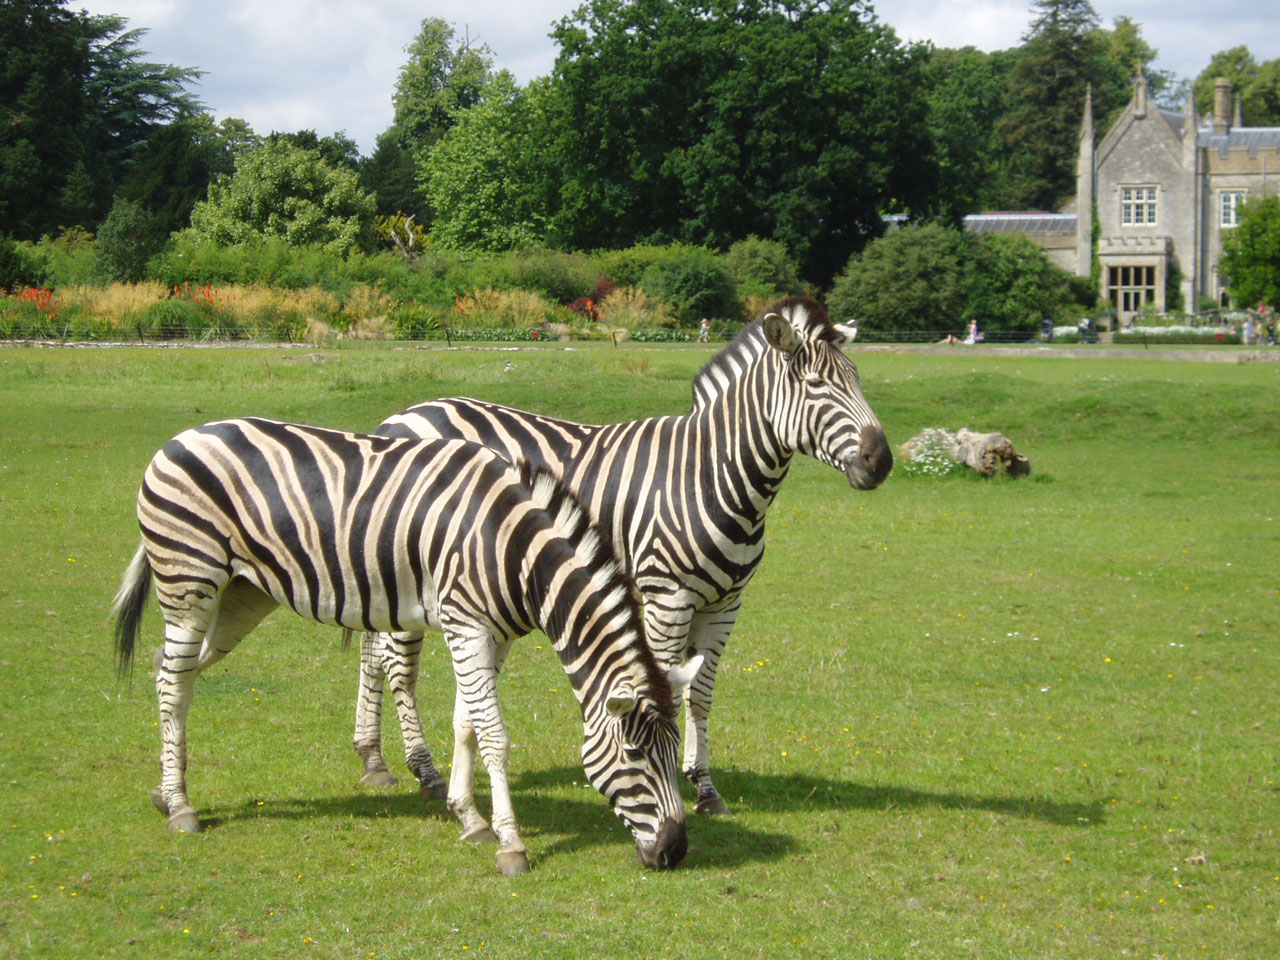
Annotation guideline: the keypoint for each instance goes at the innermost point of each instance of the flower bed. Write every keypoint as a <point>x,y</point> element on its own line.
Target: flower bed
<point>1177,335</point>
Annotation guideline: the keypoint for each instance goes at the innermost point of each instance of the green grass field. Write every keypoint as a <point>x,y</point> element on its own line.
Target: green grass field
<point>958,718</point>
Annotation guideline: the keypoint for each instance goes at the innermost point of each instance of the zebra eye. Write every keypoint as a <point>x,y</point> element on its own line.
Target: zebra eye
<point>813,379</point>
<point>633,753</point>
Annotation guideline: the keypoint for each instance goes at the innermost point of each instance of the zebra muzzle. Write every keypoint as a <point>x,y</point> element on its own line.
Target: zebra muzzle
<point>668,849</point>
<point>867,468</point>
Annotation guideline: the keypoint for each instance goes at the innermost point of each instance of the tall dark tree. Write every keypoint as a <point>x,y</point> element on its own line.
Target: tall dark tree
<point>44,65</point>
<point>175,166</point>
<point>710,122</point>
<point>1064,53</point>
<point>77,101</point>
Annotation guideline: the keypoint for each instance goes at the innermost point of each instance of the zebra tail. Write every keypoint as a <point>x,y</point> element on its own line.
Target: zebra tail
<point>130,601</point>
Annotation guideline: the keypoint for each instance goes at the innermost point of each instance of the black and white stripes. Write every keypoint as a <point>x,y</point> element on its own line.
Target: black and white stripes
<point>685,497</point>
<point>395,535</point>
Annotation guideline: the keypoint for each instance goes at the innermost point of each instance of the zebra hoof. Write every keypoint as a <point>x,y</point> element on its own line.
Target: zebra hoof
<point>712,805</point>
<point>436,788</point>
<point>184,821</point>
<point>378,778</point>
<point>512,863</point>
<point>158,801</point>
<point>480,835</point>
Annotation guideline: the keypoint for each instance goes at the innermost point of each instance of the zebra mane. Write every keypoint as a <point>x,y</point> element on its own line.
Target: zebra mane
<point>806,314</point>
<point>571,519</point>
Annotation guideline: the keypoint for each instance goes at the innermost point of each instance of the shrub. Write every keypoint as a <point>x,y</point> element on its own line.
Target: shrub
<point>65,261</point>
<point>1177,335</point>
<point>762,267</point>
<point>912,279</point>
<point>414,321</point>
<point>16,266</point>
<point>631,307</point>
<point>1013,285</point>
<point>511,310</point>
<point>127,239</point>
<point>626,267</point>
<point>559,277</point>
<point>694,282</point>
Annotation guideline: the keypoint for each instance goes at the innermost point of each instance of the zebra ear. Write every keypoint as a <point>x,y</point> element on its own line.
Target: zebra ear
<point>847,330</point>
<point>622,700</point>
<point>779,332</point>
<point>682,675</point>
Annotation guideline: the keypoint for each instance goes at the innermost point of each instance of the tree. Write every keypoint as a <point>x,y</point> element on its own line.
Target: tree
<point>173,170</point>
<point>440,80</point>
<point>1012,284</point>
<point>708,123</point>
<point>1251,253</point>
<point>337,149</point>
<point>127,239</point>
<point>763,267</point>
<point>486,179</point>
<point>967,95</point>
<point>1128,53</point>
<point>910,280</point>
<point>1236,64</point>
<point>1064,55</point>
<point>77,101</point>
<point>281,190</point>
<point>43,72</point>
<point>1258,86</point>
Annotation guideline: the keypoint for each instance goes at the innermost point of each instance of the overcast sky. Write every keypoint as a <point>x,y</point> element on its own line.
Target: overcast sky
<point>330,65</point>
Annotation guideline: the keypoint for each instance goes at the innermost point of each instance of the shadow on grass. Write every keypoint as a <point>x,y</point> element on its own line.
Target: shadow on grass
<point>561,826</point>
<point>746,791</point>
<point>555,826</point>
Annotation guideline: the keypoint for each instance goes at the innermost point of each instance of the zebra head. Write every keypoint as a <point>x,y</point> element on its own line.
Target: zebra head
<point>818,407</point>
<point>631,754</point>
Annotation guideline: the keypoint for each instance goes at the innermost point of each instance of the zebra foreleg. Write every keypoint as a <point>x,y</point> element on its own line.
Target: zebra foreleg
<point>708,634</point>
<point>478,726</point>
<point>675,633</point>
<point>401,654</point>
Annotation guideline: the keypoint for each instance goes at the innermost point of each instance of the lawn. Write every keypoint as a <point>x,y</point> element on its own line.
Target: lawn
<point>958,718</point>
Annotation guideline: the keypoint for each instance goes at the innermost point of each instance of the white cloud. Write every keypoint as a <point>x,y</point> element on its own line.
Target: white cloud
<point>331,65</point>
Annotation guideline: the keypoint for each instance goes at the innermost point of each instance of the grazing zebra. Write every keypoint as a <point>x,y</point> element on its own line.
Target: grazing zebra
<point>379,534</point>
<point>684,497</point>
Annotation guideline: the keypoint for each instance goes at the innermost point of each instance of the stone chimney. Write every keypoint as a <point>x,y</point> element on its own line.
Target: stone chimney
<point>1221,105</point>
<point>1140,94</point>
<point>1236,119</point>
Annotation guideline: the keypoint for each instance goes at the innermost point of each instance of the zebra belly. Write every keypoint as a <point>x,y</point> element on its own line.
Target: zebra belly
<point>404,612</point>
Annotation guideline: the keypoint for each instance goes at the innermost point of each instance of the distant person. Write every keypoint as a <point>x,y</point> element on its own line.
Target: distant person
<point>704,330</point>
<point>972,336</point>
<point>1046,330</point>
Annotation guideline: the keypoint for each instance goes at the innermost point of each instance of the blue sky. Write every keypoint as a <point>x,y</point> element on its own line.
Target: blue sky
<point>331,65</point>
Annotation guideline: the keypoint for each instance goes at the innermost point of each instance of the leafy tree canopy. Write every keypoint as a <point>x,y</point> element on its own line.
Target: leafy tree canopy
<point>1258,85</point>
<point>707,123</point>
<point>441,78</point>
<point>282,190</point>
<point>1251,254</point>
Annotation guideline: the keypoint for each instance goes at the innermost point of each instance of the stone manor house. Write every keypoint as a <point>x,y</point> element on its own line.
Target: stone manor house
<point>1166,185</point>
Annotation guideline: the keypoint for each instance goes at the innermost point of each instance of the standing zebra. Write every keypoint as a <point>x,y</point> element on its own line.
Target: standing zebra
<point>684,497</point>
<point>378,534</point>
